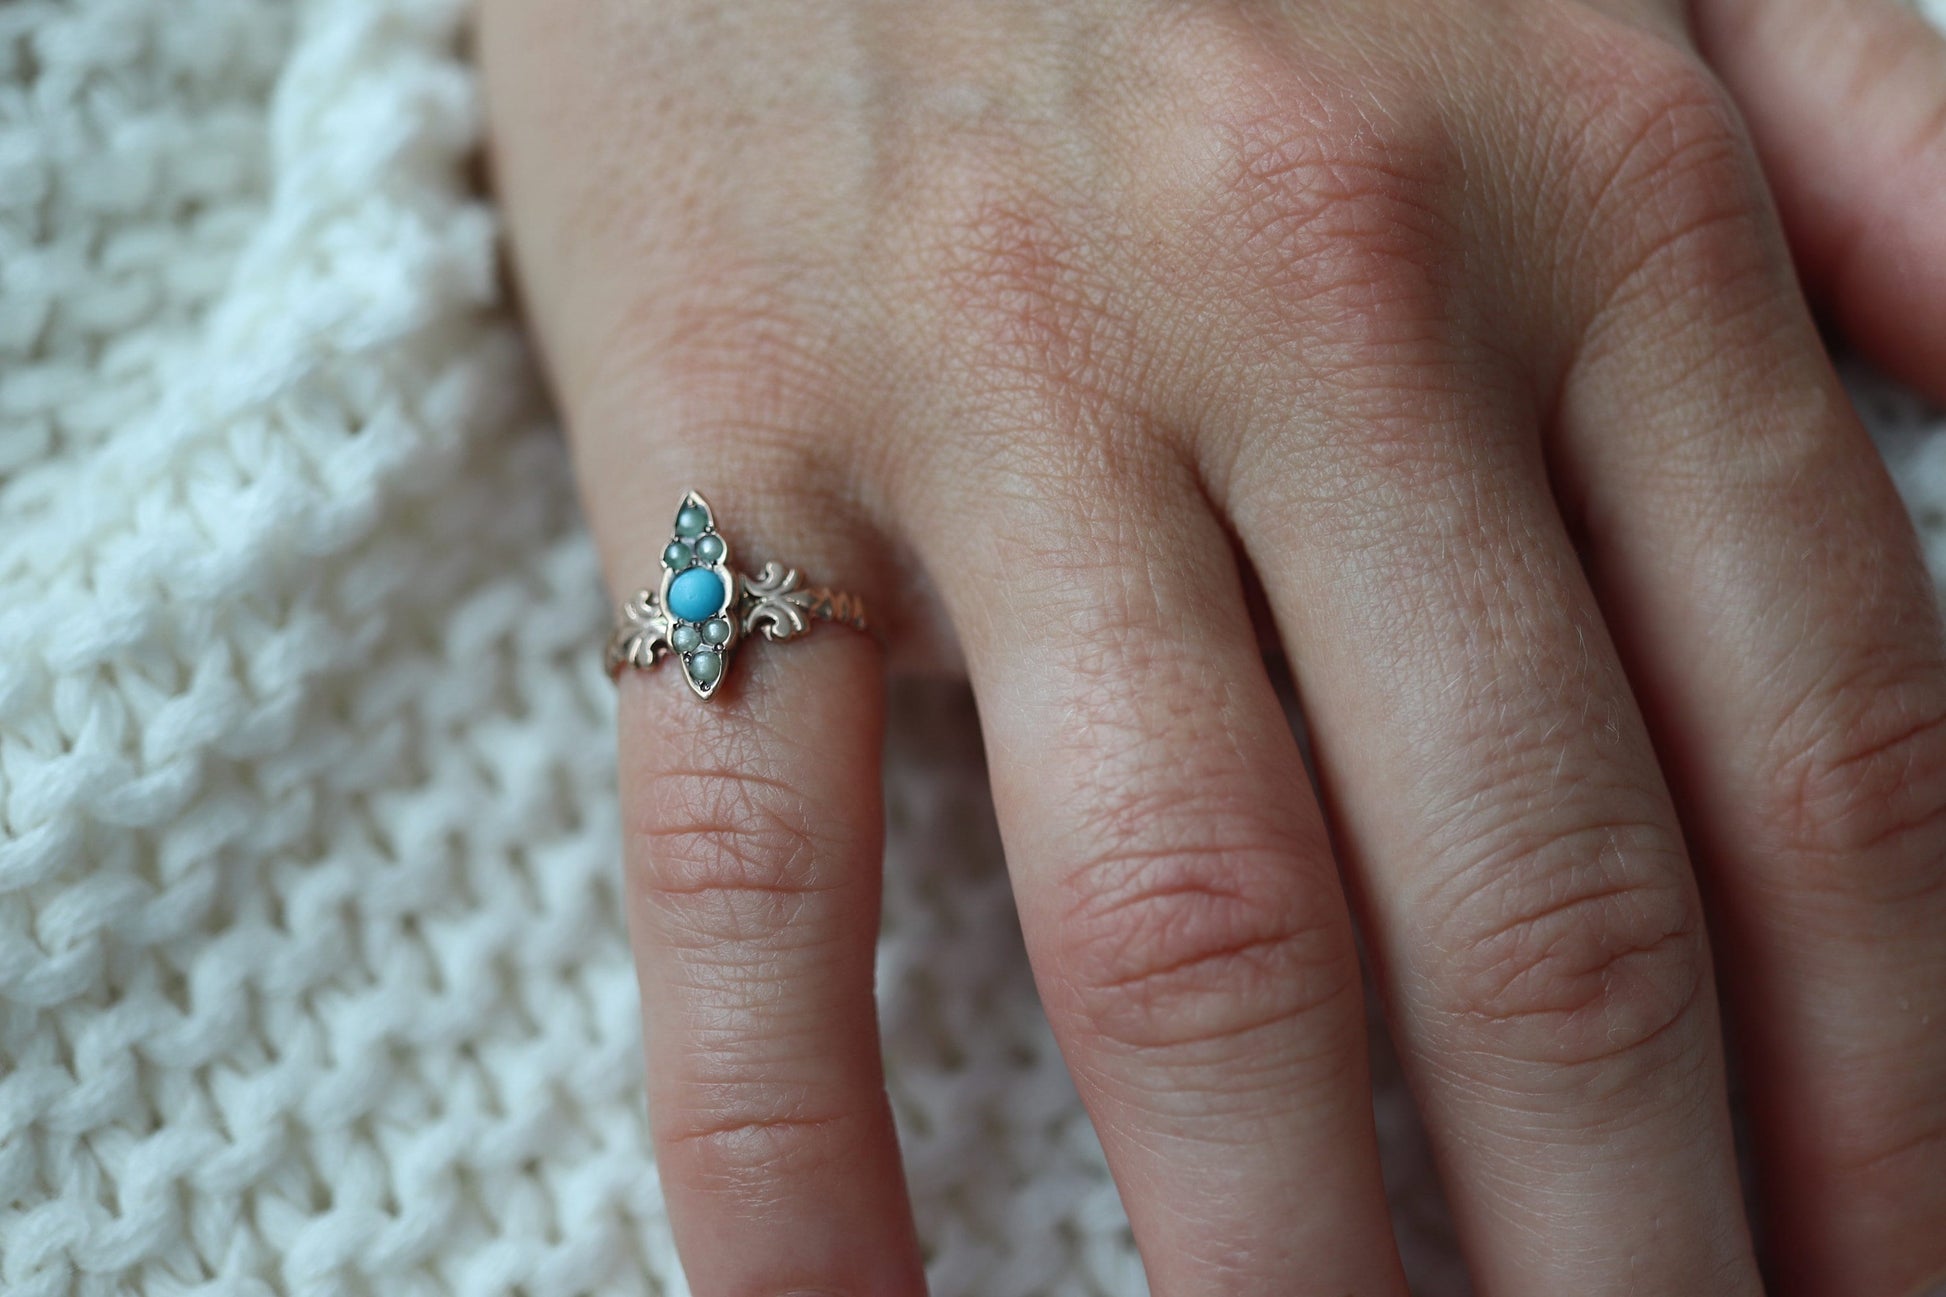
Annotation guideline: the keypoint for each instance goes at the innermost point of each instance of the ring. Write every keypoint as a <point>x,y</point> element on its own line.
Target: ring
<point>704,607</point>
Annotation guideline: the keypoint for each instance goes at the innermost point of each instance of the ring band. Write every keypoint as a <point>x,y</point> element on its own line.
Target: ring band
<point>704,607</point>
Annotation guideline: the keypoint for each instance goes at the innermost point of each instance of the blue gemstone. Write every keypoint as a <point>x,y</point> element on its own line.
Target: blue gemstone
<point>696,594</point>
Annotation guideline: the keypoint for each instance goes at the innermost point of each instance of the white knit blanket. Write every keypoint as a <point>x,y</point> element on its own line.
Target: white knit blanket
<point>313,976</point>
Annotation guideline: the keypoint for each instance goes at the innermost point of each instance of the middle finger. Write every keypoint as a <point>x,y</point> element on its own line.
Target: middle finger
<point>1173,876</point>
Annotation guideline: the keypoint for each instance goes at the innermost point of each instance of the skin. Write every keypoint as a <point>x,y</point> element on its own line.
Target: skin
<point>1475,336</point>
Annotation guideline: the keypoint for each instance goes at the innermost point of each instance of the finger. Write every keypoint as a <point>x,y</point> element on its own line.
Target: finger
<point>1529,899</point>
<point>1492,790</point>
<point>752,820</point>
<point>1770,601</point>
<point>1175,884</point>
<point>1524,885</point>
<point>1846,101</point>
<point>753,855</point>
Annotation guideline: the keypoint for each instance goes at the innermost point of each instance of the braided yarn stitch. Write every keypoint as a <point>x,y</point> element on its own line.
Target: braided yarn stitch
<point>313,977</point>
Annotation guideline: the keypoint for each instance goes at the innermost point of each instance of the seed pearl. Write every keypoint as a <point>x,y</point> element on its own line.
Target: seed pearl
<point>691,521</point>
<point>676,556</point>
<point>716,631</point>
<point>709,548</point>
<point>705,665</point>
<point>685,638</point>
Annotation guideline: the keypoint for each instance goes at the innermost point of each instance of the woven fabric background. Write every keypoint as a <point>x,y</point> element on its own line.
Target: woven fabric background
<point>312,973</point>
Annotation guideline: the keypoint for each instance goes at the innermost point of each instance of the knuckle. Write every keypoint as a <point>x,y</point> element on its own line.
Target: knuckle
<point>1860,786</point>
<point>1895,72</point>
<point>1347,222</point>
<point>1311,209</point>
<point>1021,286</point>
<point>729,857</point>
<point>1924,146</point>
<point>1897,79</point>
<point>1660,175</point>
<point>744,1146</point>
<point>1198,946</point>
<point>731,355</point>
<point>1317,196</point>
<point>1573,947</point>
<point>745,341</point>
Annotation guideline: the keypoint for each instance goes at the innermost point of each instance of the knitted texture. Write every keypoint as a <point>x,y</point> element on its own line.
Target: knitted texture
<point>313,977</point>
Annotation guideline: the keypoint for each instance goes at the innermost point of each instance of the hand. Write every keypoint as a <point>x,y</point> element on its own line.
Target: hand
<point>1469,329</point>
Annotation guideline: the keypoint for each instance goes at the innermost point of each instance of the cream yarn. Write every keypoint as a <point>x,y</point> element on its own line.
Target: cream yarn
<point>312,976</point>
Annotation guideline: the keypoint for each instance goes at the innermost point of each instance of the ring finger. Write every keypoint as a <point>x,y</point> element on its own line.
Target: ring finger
<point>752,838</point>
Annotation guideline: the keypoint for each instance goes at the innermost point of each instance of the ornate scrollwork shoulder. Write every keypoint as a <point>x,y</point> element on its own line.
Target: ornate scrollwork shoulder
<point>777,603</point>
<point>772,603</point>
<point>642,636</point>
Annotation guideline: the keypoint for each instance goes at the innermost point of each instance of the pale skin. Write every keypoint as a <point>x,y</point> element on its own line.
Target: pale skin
<point>1474,333</point>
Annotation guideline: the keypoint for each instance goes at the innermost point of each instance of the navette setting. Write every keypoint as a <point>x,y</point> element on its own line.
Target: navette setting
<point>703,607</point>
